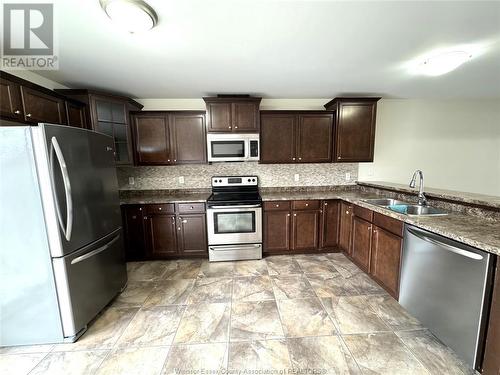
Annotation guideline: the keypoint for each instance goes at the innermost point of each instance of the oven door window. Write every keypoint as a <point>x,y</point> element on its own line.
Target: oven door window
<point>228,149</point>
<point>234,222</point>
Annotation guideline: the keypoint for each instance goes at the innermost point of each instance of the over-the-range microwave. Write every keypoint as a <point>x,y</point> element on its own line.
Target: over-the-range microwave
<point>233,147</point>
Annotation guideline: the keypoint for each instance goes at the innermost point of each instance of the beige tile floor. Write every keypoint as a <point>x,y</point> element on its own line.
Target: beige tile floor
<point>291,313</point>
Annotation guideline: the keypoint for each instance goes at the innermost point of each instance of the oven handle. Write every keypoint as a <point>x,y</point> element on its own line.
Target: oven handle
<point>234,247</point>
<point>237,206</point>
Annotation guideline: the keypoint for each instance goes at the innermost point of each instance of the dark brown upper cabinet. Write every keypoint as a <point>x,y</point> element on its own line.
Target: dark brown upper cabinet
<point>354,128</point>
<point>108,114</point>
<point>11,106</point>
<point>232,114</point>
<point>296,137</point>
<point>25,102</point>
<point>168,138</point>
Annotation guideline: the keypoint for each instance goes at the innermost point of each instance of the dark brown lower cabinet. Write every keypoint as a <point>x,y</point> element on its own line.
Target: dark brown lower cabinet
<point>133,226</point>
<point>386,259</point>
<point>305,230</point>
<point>491,363</point>
<point>163,231</point>
<point>345,227</point>
<point>329,224</point>
<point>161,235</point>
<point>361,242</point>
<point>192,240</point>
<point>276,231</point>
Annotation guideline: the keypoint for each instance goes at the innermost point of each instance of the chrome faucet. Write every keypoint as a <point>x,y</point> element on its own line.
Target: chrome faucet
<point>422,200</point>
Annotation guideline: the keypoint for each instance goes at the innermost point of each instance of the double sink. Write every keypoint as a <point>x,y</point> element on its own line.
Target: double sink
<point>406,208</point>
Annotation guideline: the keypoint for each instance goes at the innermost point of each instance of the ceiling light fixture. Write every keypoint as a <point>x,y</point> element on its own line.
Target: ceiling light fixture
<point>132,15</point>
<point>443,63</point>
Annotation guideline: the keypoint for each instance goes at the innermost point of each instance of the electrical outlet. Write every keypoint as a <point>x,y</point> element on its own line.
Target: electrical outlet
<point>296,177</point>
<point>370,171</point>
<point>181,179</point>
<point>131,181</point>
<point>348,176</point>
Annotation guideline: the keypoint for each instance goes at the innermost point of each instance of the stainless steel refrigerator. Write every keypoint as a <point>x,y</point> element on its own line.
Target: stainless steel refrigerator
<point>61,248</point>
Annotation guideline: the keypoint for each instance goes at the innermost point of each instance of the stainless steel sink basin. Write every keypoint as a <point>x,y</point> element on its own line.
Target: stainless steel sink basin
<point>384,201</point>
<point>416,210</point>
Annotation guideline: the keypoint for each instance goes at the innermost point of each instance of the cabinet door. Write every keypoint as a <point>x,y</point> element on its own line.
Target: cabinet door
<point>245,117</point>
<point>219,117</point>
<point>189,138</point>
<point>277,138</point>
<point>41,107</point>
<point>10,100</point>
<point>491,364</point>
<point>276,231</point>
<point>162,236</point>
<point>133,224</point>
<point>305,230</point>
<point>75,115</point>
<point>192,237</point>
<point>329,224</point>
<point>152,140</point>
<point>361,242</point>
<point>315,138</point>
<point>345,227</point>
<point>355,131</point>
<point>385,259</point>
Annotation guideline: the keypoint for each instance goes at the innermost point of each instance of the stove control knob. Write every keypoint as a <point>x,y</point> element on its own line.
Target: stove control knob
<point>253,179</point>
<point>249,180</point>
<point>220,180</point>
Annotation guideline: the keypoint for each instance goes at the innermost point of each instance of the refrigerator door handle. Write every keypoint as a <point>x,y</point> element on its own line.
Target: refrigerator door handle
<point>96,251</point>
<point>443,245</point>
<point>55,148</point>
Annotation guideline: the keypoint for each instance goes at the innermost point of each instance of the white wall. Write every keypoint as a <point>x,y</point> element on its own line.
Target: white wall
<point>38,79</point>
<point>455,142</point>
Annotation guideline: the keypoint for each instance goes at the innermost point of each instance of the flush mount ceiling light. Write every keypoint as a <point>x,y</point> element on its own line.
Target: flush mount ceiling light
<point>443,63</point>
<point>132,15</point>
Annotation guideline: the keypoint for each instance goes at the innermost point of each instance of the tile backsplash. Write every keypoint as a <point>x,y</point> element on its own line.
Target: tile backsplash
<point>270,175</point>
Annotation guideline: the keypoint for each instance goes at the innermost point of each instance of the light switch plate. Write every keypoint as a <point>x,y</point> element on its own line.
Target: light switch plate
<point>296,177</point>
<point>131,181</point>
<point>181,179</point>
<point>348,176</point>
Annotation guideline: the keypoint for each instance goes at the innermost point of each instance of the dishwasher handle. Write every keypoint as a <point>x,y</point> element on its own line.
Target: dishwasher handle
<point>426,237</point>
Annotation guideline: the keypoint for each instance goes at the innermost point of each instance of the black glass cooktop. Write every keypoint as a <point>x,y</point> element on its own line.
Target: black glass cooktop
<point>234,198</point>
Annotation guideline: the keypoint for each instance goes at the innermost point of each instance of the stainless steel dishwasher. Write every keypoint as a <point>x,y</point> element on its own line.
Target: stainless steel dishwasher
<point>444,284</point>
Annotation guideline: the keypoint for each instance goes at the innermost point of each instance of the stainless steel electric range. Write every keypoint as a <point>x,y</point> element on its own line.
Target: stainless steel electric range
<point>234,219</point>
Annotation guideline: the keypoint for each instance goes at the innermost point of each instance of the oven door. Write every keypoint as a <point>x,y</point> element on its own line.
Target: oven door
<point>227,147</point>
<point>234,225</point>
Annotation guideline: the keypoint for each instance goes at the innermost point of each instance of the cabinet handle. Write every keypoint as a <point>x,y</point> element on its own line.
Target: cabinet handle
<point>236,127</point>
<point>184,221</point>
<point>375,231</point>
<point>178,228</point>
<point>17,111</point>
<point>173,220</point>
<point>229,127</point>
<point>300,158</point>
<point>307,204</point>
<point>370,227</point>
<point>288,215</point>
<point>134,217</point>
<point>140,208</point>
<point>338,158</point>
<point>191,207</point>
<point>293,158</point>
<point>277,205</point>
<point>294,214</point>
<point>28,115</point>
<point>168,160</point>
<point>145,217</point>
<point>347,212</point>
<point>320,211</point>
<point>326,204</point>
<point>175,160</point>
<point>159,208</point>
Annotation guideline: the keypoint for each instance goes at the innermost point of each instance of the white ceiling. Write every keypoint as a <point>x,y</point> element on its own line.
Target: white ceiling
<point>280,49</point>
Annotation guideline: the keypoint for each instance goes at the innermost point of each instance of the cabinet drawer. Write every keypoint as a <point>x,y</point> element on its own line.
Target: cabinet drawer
<point>167,208</point>
<point>277,206</point>
<point>363,213</point>
<point>388,223</point>
<point>186,208</point>
<point>305,205</point>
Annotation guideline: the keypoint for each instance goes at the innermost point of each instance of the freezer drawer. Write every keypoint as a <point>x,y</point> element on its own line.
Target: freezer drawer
<point>87,280</point>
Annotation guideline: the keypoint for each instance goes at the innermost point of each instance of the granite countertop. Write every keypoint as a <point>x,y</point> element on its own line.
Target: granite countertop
<point>481,233</point>
<point>475,231</point>
<point>163,196</point>
<point>458,196</point>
